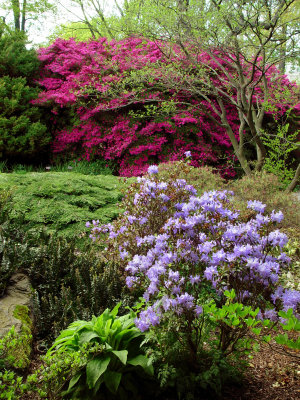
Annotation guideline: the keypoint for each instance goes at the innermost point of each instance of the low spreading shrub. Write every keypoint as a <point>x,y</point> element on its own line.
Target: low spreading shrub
<point>210,279</point>
<point>61,201</point>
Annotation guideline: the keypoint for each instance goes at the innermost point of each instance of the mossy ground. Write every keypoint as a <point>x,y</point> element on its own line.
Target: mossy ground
<point>15,347</point>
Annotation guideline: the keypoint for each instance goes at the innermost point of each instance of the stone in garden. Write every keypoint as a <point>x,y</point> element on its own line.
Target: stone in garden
<point>18,292</point>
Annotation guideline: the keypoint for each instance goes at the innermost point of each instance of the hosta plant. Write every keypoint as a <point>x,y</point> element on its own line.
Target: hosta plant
<point>114,359</point>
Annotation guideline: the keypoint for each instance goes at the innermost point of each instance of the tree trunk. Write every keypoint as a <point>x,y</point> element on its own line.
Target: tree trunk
<point>16,12</point>
<point>23,15</point>
<point>238,151</point>
<point>295,180</point>
<point>283,50</point>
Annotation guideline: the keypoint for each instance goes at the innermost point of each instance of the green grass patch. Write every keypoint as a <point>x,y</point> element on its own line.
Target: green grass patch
<point>62,201</point>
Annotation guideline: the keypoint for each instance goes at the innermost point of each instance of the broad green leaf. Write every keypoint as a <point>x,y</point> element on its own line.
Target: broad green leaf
<point>267,338</point>
<point>95,368</point>
<point>86,337</point>
<point>115,310</point>
<point>112,380</point>
<point>127,336</point>
<point>122,355</point>
<point>282,339</point>
<point>74,380</point>
<point>107,326</point>
<point>143,362</point>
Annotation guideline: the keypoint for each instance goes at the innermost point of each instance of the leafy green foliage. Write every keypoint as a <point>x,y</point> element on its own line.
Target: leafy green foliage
<point>221,336</point>
<point>15,351</point>
<point>15,59</point>
<point>279,146</point>
<point>21,131</point>
<point>62,201</point>
<point>11,385</point>
<point>114,364</point>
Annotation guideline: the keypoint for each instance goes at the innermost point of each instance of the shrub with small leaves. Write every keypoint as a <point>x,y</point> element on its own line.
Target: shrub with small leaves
<point>10,242</point>
<point>69,283</point>
<point>266,187</point>
<point>203,179</point>
<point>23,133</point>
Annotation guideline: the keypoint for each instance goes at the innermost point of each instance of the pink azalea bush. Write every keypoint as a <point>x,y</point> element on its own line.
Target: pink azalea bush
<point>88,86</point>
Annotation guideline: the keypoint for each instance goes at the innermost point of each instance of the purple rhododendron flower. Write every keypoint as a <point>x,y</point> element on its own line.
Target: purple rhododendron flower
<point>276,216</point>
<point>153,169</point>
<point>188,154</point>
<point>256,205</point>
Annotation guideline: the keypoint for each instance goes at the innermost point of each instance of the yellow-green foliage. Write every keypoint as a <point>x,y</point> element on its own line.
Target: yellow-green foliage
<point>15,348</point>
<point>203,179</point>
<point>62,201</point>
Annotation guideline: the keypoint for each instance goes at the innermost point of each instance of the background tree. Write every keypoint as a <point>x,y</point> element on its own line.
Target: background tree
<point>21,14</point>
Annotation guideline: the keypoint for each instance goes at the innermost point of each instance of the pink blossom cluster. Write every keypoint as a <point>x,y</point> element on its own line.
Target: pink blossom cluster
<point>79,81</point>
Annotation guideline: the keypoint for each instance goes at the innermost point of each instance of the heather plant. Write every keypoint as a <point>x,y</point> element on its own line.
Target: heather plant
<point>10,242</point>
<point>68,283</point>
<point>266,187</point>
<point>208,277</point>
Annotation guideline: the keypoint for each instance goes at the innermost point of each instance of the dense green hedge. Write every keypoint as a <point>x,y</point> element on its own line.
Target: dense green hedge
<point>62,201</point>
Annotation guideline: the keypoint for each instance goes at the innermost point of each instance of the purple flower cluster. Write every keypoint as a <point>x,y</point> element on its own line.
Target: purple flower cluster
<point>198,239</point>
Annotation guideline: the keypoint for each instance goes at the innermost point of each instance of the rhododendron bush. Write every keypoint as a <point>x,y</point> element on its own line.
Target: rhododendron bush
<point>100,109</point>
<point>175,241</point>
<point>208,278</point>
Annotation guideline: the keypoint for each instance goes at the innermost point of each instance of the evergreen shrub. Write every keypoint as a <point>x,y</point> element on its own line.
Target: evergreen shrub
<point>23,132</point>
<point>69,283</point>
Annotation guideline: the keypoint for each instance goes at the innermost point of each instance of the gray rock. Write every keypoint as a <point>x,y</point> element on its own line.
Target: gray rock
<point>17,293</point>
